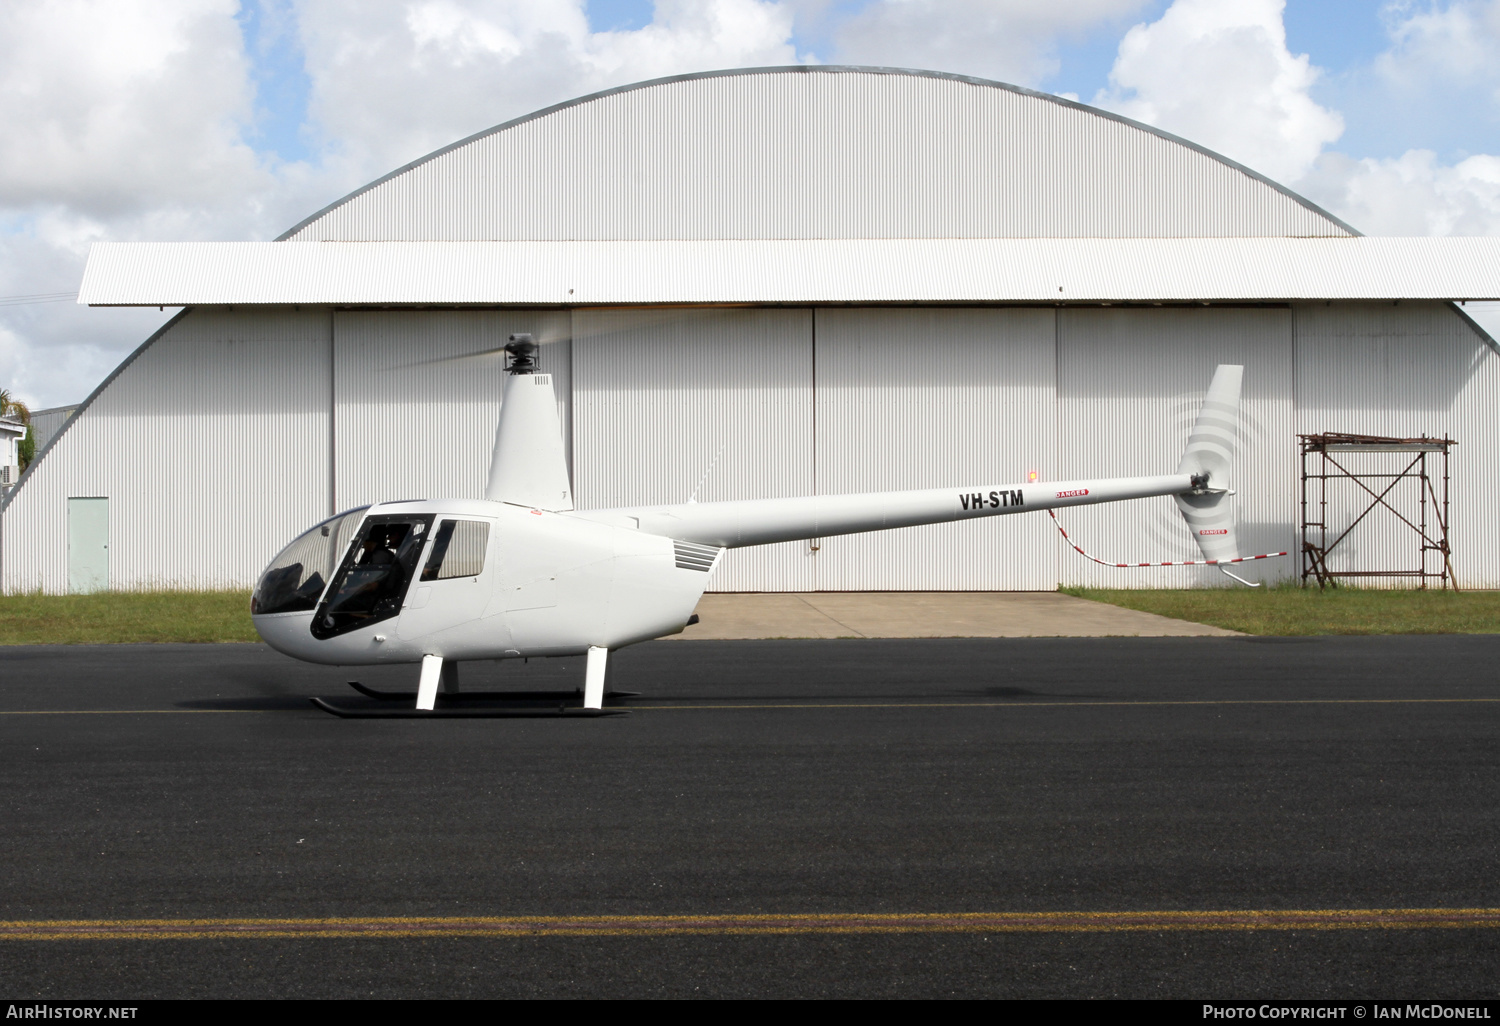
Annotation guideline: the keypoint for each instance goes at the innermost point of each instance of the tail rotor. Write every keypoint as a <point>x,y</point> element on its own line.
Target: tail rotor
<point>1209,461</point>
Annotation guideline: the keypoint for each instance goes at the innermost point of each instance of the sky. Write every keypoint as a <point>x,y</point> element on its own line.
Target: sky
<point>167,120</point>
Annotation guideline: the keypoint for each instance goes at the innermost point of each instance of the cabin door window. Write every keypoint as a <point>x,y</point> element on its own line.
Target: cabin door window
<point>374,577</point>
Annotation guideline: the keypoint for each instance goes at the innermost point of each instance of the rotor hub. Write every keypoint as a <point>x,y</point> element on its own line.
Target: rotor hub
<point>522,350</point>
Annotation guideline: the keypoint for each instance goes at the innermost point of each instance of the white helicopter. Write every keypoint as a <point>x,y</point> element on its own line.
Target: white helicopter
<point>522,573</point>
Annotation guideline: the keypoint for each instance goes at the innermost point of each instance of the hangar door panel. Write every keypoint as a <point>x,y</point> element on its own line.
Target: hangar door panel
<point>1403,371</point>
<point>666,399</point>
<point>930,398</point>
<point>418,397</point>
<point>1130,383</point>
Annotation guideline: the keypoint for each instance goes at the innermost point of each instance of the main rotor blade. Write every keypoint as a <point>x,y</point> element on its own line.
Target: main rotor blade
<point>498,350</point>
<point>659,316</point>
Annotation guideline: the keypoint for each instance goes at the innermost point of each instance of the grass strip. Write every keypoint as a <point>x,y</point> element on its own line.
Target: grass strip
<point>217,616</point>
<point>1292,610</point>
<point>115,617</point>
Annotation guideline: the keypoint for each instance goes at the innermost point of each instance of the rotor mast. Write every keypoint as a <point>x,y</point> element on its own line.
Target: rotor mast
<point>529,467</point>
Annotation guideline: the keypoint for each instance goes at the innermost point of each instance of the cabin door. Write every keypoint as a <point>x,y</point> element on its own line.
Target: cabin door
<point>452,587</point>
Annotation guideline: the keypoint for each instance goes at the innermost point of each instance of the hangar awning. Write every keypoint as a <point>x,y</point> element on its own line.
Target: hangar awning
<point>777,271</point>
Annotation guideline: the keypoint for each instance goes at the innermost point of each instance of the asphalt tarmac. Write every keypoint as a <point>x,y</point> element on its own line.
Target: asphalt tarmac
<point>765,778</point>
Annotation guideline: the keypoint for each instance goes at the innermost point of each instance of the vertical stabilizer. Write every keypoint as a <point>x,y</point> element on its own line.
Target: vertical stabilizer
<point>1209,458</point>
<point>529,467</point>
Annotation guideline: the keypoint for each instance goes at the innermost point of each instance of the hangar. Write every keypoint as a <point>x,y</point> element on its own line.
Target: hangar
<point>775,281</point>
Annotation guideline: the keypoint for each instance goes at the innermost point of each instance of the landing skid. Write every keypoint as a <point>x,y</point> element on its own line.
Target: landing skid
<point>408,696</point>
<point>488,713</point>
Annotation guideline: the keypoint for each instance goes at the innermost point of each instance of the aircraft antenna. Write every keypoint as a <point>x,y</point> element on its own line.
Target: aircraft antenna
<point>710,470</point>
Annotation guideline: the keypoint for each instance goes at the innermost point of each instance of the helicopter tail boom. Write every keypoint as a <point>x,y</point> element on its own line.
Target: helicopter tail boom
<point>1200,486</point>
<point>766,521</point>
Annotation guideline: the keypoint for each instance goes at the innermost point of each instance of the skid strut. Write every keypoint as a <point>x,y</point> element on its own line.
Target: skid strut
<point>480,696</point>
<point>593,679</point>
<point>440,675</point>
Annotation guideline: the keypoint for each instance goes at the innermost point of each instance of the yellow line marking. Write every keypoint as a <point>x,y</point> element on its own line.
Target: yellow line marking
<point>780,925</point>
<point>853,705</point>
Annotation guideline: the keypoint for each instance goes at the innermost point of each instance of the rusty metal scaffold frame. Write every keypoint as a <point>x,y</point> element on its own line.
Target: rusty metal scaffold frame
<point>1327,448</point>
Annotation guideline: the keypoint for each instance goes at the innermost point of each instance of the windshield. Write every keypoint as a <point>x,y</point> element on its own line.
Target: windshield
<point>294,581</point>
<point>373,577</point>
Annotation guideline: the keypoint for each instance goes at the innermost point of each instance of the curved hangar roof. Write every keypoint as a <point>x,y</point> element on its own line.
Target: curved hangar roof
<point>807,184</point>
<point>818,153</point>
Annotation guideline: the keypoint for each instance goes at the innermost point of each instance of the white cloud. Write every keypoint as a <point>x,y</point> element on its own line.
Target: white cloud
<point>1413,194</point>
<point>393,82</point>
<point>1010,40</point>
<point>116,105</point>
<point>1442,71</point>
<point>1219,73</point>
<point>1451,44</point>
<point>127,119</point>
<point>123,119</point>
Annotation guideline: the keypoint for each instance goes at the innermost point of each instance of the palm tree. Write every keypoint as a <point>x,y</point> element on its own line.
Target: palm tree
<point>10,406</point>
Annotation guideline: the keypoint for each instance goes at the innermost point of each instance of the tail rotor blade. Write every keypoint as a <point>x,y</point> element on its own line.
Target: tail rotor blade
<point>1209,458</point>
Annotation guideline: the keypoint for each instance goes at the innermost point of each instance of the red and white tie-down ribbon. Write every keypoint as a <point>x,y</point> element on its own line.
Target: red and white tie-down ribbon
<point>1182,562</point>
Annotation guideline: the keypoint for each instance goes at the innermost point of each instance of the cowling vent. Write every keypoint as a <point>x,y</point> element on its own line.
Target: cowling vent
<point>692,556</point>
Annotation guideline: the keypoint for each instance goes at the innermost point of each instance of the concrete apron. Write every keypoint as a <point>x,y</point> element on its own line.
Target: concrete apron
<point>928,614</point>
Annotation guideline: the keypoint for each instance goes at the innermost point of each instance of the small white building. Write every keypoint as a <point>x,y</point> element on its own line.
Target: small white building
<point>773,282</point>
<point>11,433</point>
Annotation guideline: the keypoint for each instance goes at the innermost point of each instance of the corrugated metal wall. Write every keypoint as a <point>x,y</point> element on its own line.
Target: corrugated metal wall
<point>45,424</point>
<point>214,444</point>
<point>666,399</point>
<point>1406,370</point>
<point>927,398</point>
<point>819,153</point>
<point>419,397</point>
<point>211,447</point>
<point>1130,383</point>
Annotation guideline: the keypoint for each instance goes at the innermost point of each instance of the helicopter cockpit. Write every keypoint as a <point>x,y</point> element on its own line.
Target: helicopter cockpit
<point>295,580</point>
<point>374,575</point>
<point>369,560</point>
